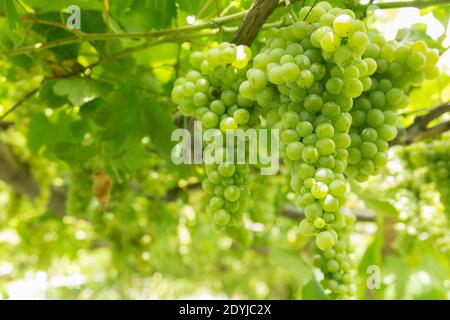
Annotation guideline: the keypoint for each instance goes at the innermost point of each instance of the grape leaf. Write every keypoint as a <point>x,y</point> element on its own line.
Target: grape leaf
<point>80,90</point>
<point>11,13</point>
<point>313,291</point>
<point>292,262</point>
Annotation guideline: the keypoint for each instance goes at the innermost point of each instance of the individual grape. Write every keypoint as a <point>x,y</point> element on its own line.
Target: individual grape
<point>417,61</point>
<point>210,119</point>
<point>325,240</point>
<point>343,25</point>
<point>222,217</point>
<point>241,116</point>
<point>228,124</point>
<point>335,85</point>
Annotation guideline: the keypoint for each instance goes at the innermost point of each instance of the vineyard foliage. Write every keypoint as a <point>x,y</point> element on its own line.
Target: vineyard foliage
<point>94,206</point>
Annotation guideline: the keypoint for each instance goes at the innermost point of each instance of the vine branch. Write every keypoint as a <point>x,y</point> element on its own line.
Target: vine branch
<point>419,130</point>
<point>253,21</point>
<point>185,31</point>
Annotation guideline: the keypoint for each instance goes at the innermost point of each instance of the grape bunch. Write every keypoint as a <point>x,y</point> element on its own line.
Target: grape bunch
<point>435,158</point>
<point>417,199</point>
<point>338,264</point>
<point>263,203</point>
<point>399,67</point>
<point>305,80</point>
<point>209,92</point>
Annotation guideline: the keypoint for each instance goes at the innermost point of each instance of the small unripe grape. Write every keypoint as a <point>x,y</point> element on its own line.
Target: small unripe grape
<point>324,130</point>
<point>325,240</point>
<point>338,188</point>
<point>216,203</point>
<point>257,78</point>
<point>294,150</point>
<point>242,116</point>
<point>228,124</point>
<point>333,266</point>
<point>417,61</point>
<point>325,146</point>
<point>226,170</point>
<point>319,223</point>
<point>218,107</point>
<point>343,25</point>
<point>202,85</point>
<point>222,217</point>
<point>232,193</point>
<point>210,119</point>
<point>329,203</point>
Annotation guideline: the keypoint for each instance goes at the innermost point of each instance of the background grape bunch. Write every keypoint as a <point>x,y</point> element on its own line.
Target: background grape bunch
<point>209,93</point>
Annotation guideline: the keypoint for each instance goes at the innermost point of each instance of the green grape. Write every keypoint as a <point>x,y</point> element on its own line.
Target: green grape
<point>218,107</point>
<point>241,116</point>
<point>343,25</point>
<point>232,193</point>
<point>325,146</point>
<point>305,79</point>
<point>313,103</point>
<point>325,240</point>
<point>325,130</point>
<point>319,190</point>
<point>417,61</point>
<point>310,154</point>
<point>228,124</point>
<point>257,78</point>
<point>222,217</point>
<point>335,85</point>
<point>289,72</point>
<point>294,150</point>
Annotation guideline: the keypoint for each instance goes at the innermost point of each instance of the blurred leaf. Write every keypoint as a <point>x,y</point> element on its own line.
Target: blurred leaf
<point>371,257</point>
<point>158,125</point>
<point>60,5</point>
<point>292,262</point>
<point>149,14</point>
<point>442,14</point>
<point>48,98</point>
<point>374,201</point>
<point>418,32</point>
<point>402,273</point>
<point>80,90</point>
<point>61,136</point>
<point>72,153</point>
<point>313,291</point>
<point>11,13</point>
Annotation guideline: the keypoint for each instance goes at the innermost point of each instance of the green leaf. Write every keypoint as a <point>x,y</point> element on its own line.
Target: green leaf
<point>48,98</point>
<point>73,153</point>
<point>11,13</point>
<point>374,201</point>
<point>159,125</point>
<point>40,132</point>
<point>402,273</point>
<point>156,14</point>
<point>372,256</point>
<point>292,262</point>
<point>61,137</point>
<point>313,291</point>
<point>80,90</point>
<point>61,5</point>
